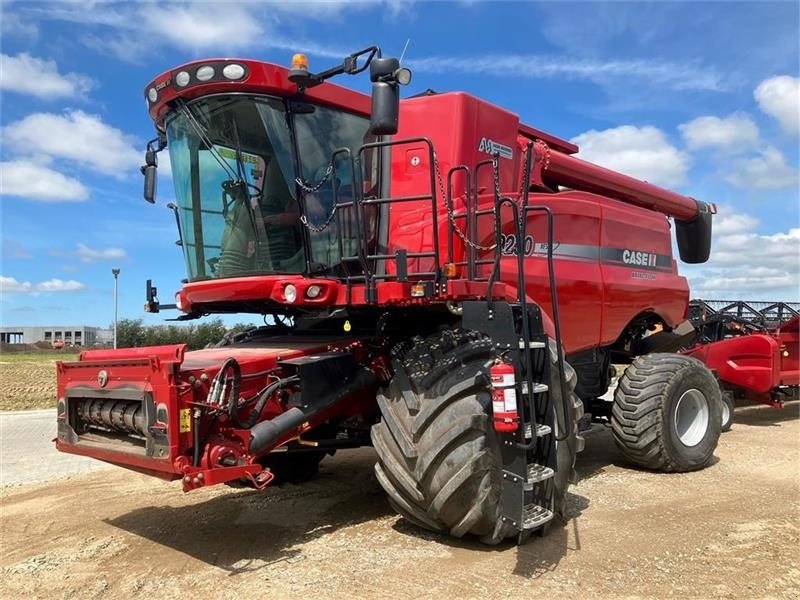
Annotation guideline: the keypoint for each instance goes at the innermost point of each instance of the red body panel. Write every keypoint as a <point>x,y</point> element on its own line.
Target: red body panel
<point>750,362</point>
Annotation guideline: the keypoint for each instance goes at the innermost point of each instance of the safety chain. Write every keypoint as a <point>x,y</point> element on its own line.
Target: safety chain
<point>451,213</point>
<point>546,150</point>
<point>310,189</point>
<point>314,188</point>
<point>324,226</point>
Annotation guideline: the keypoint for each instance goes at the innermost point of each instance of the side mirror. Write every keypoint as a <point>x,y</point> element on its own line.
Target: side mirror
<point>385,108</point>
<point>150,167</point>
<point>150,172</point>
<point>387,76</point>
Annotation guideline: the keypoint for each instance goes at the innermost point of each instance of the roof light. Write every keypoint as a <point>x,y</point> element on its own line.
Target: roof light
<point>233,71</point>
<point>290,293</point>
<point>205,73</point>
<point>300,62</point>
<point>182,79</point>
<point>152,94</point>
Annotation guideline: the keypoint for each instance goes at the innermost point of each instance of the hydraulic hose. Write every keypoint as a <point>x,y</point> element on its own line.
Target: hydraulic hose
<point>262,400</point>
<point>266,433</point>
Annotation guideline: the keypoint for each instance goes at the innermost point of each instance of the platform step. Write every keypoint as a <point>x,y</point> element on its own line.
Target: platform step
<point>541,430</point>
<point>537,473</point>
<point>534,516</point>
<point>538,388</point>
<point>531,344</point>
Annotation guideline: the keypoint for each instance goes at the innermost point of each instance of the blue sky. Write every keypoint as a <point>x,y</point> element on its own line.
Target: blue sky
<point>702,98</point>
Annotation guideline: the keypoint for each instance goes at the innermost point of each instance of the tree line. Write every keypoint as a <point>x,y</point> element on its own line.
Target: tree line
<point>132,333</point>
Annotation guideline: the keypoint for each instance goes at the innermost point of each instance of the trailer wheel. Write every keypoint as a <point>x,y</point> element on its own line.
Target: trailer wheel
<point>726,410</point>
<point>438,456</point>
<point>666,413</point>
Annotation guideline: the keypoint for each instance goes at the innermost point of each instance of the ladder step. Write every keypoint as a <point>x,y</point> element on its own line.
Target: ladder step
<point>534,516</point>
<point>538,388</point>
<point>541,430</point>
<point>537,473</point>
<point>531,344</point>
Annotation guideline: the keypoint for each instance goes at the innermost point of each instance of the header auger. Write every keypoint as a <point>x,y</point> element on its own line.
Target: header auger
<point>440,281</point>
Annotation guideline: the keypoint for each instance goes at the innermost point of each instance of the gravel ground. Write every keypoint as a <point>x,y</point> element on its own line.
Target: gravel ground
<point>730,531</point>
<point>27,452</point>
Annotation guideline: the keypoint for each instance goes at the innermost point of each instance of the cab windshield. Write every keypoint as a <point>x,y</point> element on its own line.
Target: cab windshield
<point>254,181</point>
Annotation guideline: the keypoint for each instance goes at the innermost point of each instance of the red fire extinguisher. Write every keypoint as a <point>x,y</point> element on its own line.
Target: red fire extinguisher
<point>504,397</point>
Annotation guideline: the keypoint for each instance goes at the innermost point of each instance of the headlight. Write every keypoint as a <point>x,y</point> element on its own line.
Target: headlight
<point>152,94</point>
<point>313,291</point>
<point>205,73</point>
<point>233,71</point>
<point>290,293</point>
<point>182,79</point>
<point>178,301</point>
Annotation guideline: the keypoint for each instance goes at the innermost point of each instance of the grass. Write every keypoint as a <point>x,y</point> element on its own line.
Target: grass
<point>28,379</point>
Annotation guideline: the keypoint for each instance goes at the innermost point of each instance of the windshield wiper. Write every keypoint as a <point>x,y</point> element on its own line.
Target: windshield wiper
<point>186,111</point>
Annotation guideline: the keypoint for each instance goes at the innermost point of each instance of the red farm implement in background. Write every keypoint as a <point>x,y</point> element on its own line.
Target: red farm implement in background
<point>438,281</point>
<point>752,347</point>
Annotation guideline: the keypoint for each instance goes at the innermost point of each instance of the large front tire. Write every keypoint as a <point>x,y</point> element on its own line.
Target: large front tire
<point>666,413</point>
<point>438,455</point>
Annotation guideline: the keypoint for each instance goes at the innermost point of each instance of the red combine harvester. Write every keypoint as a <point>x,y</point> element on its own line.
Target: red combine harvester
<point>440,281</point>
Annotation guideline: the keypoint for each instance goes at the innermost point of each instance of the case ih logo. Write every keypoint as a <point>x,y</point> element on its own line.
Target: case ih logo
<point>490,147</point>
<point>642,259</point>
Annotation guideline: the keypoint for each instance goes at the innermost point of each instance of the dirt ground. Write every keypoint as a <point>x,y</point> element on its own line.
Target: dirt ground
<point>28,380</point>
<point>731,531</point>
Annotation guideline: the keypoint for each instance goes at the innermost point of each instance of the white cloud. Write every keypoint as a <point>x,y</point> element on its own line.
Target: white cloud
<point>642,152</point>
<point>90,255</point>
<point>131,32</point>
<point>203,25</point>
<point>779,97</point>
<point>10,285</point>
<point>677,76</point>
<point>25,179</point>
<point>731,134</point>
<point>77,136</point>
<point>767,171</point>
<point>59,285</point>
<point>38,77</point>
<point>747,264</point>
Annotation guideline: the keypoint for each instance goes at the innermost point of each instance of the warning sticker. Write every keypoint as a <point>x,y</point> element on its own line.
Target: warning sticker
<point>186,420</point>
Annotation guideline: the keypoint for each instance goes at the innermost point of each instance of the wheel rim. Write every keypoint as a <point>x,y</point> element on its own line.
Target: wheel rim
<point>691,417</point>
<point>726,413</point>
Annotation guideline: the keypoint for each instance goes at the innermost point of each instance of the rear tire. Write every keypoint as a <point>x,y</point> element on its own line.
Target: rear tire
<point>666,413</point>
<point>438,456</point>
<point>726,410</point>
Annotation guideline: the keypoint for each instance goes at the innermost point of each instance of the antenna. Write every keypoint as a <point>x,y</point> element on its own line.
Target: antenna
<point>408,41</point>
